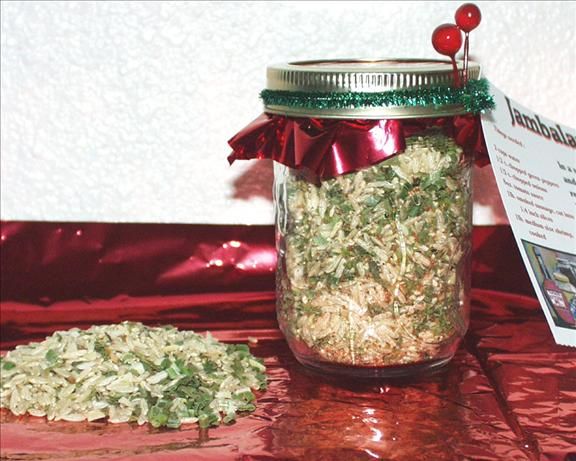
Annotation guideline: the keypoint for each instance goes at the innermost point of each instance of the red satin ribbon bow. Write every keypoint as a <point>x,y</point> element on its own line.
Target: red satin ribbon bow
<point>331,147</point>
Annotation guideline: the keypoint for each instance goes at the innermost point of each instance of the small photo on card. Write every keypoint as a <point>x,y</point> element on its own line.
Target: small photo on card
<point>556,274</point>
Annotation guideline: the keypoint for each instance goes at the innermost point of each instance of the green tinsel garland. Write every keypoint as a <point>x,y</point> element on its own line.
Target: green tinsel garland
<point>474,96</point>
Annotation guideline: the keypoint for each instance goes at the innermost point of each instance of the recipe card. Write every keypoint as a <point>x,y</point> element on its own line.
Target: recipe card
<point>534,161</point>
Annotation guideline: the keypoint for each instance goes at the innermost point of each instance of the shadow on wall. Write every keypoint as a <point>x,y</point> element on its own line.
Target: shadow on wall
<point>255,182</point>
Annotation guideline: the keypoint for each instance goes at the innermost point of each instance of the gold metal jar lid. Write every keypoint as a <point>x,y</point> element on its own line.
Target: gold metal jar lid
<point>365,76</point>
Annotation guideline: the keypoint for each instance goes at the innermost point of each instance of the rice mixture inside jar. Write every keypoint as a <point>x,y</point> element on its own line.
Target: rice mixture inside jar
<point>374,265</point>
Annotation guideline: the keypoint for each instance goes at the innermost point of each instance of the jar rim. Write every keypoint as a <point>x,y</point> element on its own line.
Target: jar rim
<point>334,78</point>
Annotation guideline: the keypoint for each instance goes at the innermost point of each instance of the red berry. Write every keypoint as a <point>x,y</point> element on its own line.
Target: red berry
<point>468,17</point>
<point>447,39</point>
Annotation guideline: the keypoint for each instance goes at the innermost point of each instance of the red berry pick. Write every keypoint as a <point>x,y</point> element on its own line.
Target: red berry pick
<point>468,17</point>
<point>447,39</point>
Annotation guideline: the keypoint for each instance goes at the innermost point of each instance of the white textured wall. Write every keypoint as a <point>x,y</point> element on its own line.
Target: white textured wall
<point>120,111</point>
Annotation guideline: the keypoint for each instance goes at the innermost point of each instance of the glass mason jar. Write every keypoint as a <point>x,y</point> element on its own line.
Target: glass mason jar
<point>373,275</point>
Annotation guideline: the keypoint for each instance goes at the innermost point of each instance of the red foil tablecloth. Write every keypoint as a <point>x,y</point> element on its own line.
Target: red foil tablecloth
<point>509,394</point>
